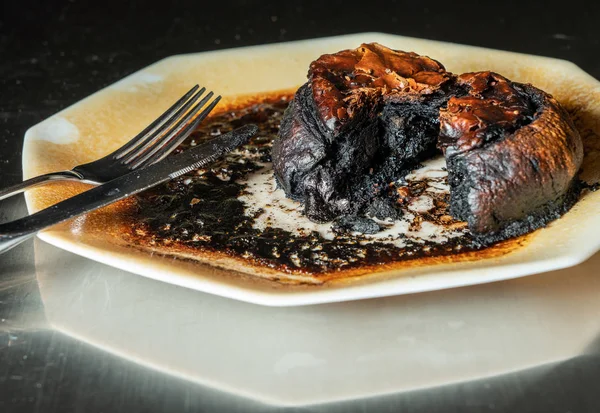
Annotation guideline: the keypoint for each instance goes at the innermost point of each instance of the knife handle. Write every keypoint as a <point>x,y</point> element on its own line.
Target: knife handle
<point>15,232</point>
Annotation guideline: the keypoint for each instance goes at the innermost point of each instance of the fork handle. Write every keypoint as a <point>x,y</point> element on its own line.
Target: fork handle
<point>38,180</point>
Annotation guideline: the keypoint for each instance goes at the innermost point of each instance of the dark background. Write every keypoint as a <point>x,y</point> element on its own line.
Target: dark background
<point>53,54</point>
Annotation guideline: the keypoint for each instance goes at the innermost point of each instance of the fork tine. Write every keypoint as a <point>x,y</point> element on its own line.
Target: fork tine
<point>184,133</point>
<point>150,155</point>
<point>151,128</point>
<point>139,156</point>
<point>157,132</point>
<point>177,134</point>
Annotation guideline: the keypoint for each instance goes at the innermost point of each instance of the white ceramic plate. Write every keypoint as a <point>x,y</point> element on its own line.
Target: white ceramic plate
<point>103,121</point>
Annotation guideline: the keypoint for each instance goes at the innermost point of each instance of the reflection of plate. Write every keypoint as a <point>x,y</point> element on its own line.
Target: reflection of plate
<point>101,122</point>
<point>312,354</point>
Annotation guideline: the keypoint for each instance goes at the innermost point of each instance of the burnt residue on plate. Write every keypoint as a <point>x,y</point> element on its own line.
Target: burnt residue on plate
<point>212,210</point>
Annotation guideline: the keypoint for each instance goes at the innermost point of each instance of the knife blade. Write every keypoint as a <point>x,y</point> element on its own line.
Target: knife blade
<point>14,232</point>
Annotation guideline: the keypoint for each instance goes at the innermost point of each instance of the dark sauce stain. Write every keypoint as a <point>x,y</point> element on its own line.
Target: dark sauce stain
<point>590,187</point>
<point>201,211</point>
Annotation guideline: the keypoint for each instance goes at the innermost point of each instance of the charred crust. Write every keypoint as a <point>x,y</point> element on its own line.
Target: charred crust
<point>367,115</point>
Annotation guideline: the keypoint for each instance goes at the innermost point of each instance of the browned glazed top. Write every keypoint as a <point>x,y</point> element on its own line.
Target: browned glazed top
<point>491,101</point>
<point>340,81</point>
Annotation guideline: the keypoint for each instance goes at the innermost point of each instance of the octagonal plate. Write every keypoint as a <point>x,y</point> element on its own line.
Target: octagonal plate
<point>103,121</point>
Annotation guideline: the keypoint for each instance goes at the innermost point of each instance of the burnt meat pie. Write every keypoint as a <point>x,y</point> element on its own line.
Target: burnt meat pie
<point>366,116</point>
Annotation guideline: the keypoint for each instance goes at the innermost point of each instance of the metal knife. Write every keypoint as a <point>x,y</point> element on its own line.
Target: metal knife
<point>15,232</point>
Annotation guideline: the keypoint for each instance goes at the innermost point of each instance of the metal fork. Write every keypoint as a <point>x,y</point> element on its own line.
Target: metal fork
<point>151,145</point>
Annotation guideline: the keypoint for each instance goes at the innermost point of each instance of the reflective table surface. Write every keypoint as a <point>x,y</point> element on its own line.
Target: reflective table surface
<point>77,335</point>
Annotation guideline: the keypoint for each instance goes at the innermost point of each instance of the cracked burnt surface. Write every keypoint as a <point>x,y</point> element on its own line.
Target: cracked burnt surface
<point>367,116</point>
<point>235,208</point>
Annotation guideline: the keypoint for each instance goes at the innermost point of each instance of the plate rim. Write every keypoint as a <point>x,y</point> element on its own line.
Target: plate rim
<point>320,294</point>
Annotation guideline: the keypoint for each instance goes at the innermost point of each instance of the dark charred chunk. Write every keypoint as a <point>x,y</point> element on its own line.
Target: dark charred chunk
<point>347,133</point>
<point>348,224</point>
<point>512,155</point>
<point>383,208</point>
<point>314,167</point>
<point>367,115</point>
